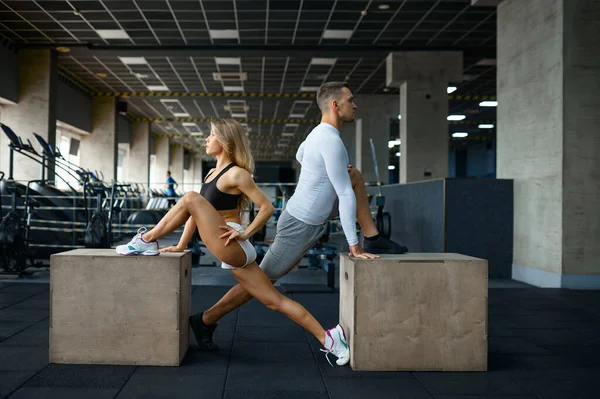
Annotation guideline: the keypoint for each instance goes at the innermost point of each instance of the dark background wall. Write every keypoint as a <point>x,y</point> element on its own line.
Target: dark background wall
<point>74,105</point>
<point>9,72</point>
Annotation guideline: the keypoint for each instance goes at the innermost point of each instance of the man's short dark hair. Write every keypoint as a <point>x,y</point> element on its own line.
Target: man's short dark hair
<point>329,91</point>
<point>169,172</point>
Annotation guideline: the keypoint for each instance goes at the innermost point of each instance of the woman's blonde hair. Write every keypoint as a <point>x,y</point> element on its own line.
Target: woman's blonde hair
<point>232,137</point>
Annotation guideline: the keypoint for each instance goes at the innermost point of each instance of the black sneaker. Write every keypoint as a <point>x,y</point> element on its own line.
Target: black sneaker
<point>383,245</point>
<point>203,333</point>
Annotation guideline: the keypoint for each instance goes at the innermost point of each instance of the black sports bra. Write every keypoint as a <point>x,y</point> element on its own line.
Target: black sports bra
<point>220,200</point>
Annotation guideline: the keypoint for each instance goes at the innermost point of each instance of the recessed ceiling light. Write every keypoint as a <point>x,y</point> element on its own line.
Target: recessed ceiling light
<point>63,49</point>
<point>309,88</point>
<point>456,117</point>
<point>189,124</point>
<point>157,88</point>
<point>488,104</point>
<point>227,60</point>
<point>112,34</point>
<point>101,74</point>
<point>384,7</point>
<point>399,116</point>
<point>385,89</point>
<point>486,126</point>
<point>224,34</point>
<point>451,89</point>
<point>133,60</point>
<point>397,154</point>
<point>460,134</point>
<point>391,167</point>
<point>181,115</point>
<point>233,88</point>
<point>337,34</point>
<point>141,75</point>
<point>486,62</point>
<point>322,61</point>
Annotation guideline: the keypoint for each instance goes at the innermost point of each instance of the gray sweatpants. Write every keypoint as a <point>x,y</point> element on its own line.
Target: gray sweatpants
<point>292,239</point>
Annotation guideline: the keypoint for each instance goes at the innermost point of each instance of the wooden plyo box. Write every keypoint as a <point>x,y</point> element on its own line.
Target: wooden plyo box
<point>119,310</point>
<point>415,312</point>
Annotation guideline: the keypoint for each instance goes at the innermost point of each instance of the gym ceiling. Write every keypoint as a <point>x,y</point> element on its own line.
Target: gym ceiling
<point>181,62</point>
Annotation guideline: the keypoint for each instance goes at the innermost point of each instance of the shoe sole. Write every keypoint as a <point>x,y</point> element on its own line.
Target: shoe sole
<point>201,346</point>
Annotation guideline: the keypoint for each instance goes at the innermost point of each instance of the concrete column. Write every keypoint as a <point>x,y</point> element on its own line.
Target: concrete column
<point>197,174</point>
<point>423,79</point>
<point>138,162</point>
<point>188,175</point>
<point>162,153</point>
<point>99,149</point>
<point>374,115</point>
<point>176,163</point>
<point>35,111</point>
<point>547,138</point>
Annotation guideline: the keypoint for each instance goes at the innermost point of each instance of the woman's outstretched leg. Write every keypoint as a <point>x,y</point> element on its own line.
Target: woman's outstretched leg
<point>256,282</point>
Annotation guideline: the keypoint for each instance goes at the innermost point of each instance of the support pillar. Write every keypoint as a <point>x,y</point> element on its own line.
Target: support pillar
<point>138,166</point>
<point>423,79</point>
<point>176,164</point>
<point>162,153</point>
<point>547,138</point>
<point>188,174</point>
<point>197,173</point>
<point>99,150</point>
<point>35,111</point>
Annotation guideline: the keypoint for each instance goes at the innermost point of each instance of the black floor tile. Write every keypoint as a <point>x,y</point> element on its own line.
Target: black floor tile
<point>255,313</point>
<point>193,386</point>
<point>483,383</point>
<point>288,332</point>
<point>15,358</point>
<point>275,395</point>
<point>82,376</point>
<point>558,337</point>
<point>344,388</point>
<point>195,362</point>
<point>483,397</point>
<point>561,389</point>
<point>10,328</point>
<point>33,303</point>
<point>583,356</point>
<point>64,393</point>
<point>32,288</point>
<point>276,352</point>
<point>14,297</point>
<point>514,345</point>
<point>31,337</point>
<point>507,362</point>
<point>3,285</point>
<point>11,380</point>
<point>12,314</point>
<point>289,375</point>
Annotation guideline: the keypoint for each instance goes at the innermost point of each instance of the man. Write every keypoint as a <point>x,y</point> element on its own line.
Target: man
<point>170,189</point>
<point>324,178</point>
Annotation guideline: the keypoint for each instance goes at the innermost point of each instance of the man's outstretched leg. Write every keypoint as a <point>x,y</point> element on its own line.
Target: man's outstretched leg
<point>373,242</point>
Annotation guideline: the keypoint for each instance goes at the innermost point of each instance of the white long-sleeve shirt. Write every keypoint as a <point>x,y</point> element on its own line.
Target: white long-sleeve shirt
<point>323,176</point>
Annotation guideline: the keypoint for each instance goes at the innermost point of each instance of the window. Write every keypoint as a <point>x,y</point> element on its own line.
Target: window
<point>68,144</point>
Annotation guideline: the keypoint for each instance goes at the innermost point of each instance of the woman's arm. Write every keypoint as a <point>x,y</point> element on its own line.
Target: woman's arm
<point>244,182</point>
<point>186,236</point>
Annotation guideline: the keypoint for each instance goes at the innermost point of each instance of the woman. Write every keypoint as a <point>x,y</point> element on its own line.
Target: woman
<point>218,208</point>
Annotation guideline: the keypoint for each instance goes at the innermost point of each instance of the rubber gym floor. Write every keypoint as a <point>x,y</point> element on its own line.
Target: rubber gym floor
<point>543,343</point>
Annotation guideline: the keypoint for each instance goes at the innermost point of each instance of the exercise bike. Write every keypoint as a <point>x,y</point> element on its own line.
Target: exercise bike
<point>15,252</point>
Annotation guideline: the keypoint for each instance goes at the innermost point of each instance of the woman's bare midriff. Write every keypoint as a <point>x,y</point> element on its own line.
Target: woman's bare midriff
<point>231,215</point>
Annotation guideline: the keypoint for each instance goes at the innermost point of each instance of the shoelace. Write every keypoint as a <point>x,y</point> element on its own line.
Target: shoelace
<point>327,352</point>
<point>140,231</point>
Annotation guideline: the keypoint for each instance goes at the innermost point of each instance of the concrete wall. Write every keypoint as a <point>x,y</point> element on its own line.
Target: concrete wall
<point>162,152</point>
<point>99,149</point>
<point>74,105</point>
<point>138,163</point>
<point>581,138</point>
<point>375,113</point>
<point>35,111</point>
<point>176,164</point>
<point>9,73</point>
<point>530,123</point>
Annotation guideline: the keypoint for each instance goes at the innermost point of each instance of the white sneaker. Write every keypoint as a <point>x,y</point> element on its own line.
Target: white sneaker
<point>339,347</point>
<point>137,246</point>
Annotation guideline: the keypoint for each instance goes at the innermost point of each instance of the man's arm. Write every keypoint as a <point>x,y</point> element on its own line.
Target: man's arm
<point>335,157</point>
